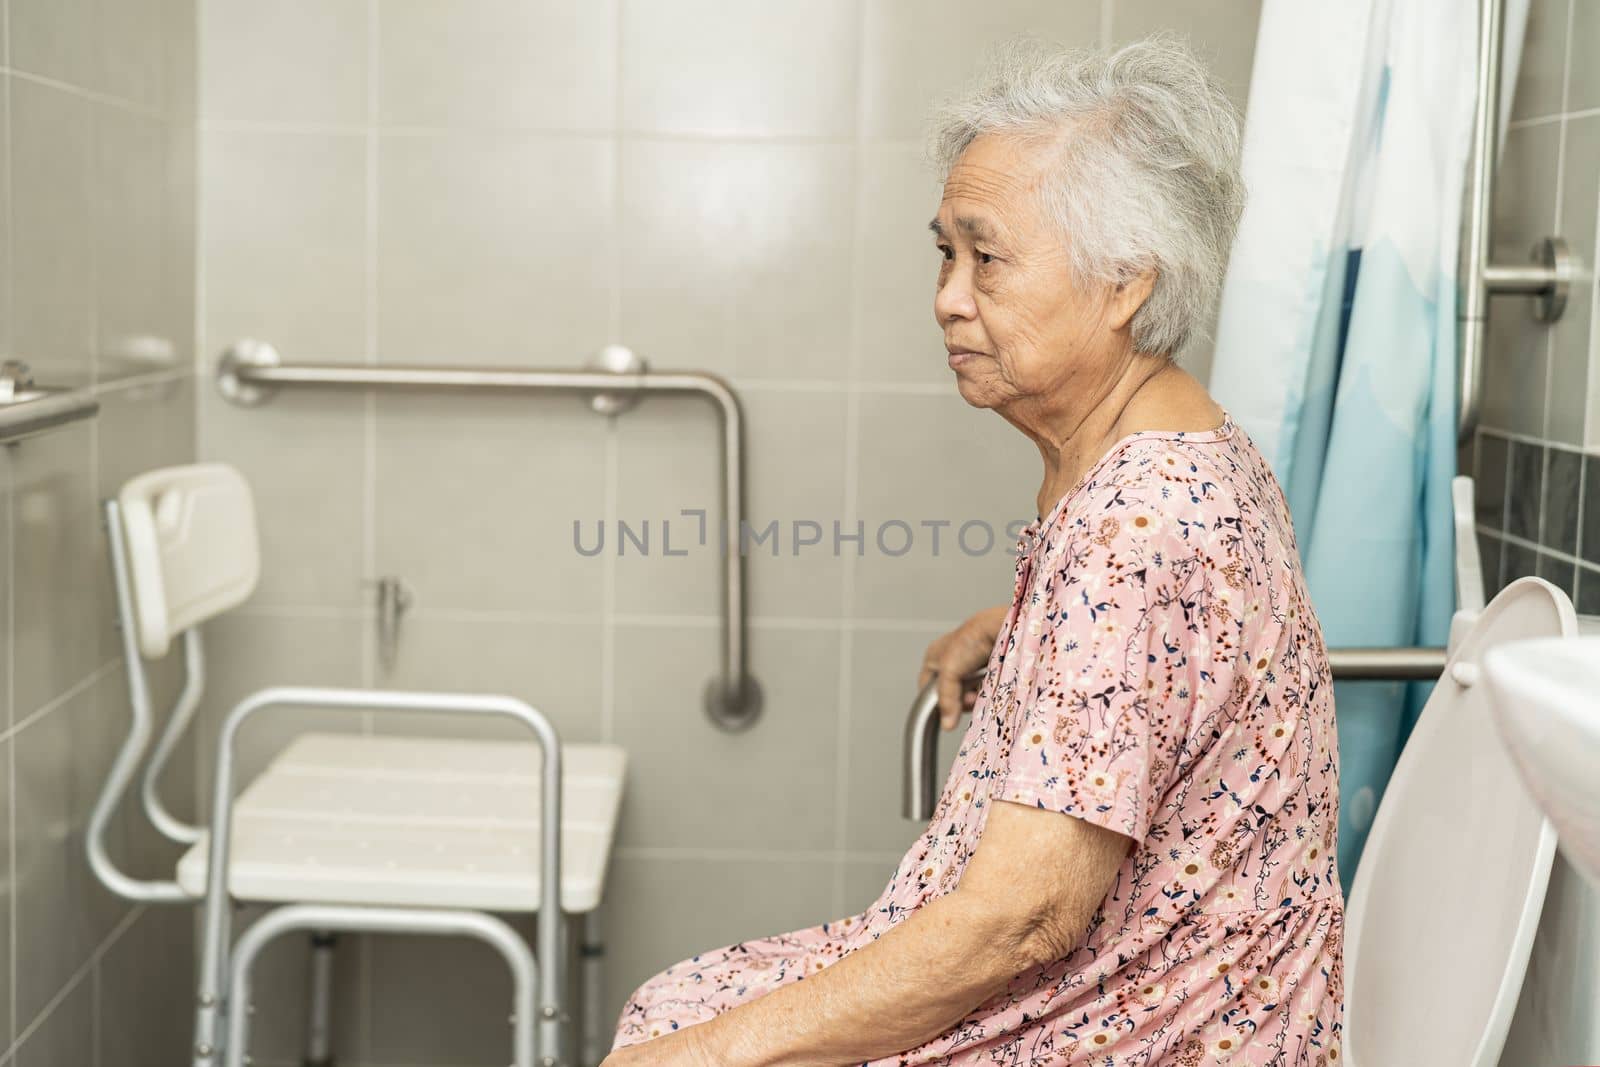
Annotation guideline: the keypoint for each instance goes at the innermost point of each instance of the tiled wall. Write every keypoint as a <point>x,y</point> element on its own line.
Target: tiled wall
<point>727,186</point>
<point>97,183</point>
<point>1536,461</point>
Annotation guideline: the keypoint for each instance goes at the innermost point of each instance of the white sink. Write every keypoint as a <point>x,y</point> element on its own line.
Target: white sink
<point>1547,706</point>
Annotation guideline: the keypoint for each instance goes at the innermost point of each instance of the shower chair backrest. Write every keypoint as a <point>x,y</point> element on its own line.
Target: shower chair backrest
<point>192,550</point>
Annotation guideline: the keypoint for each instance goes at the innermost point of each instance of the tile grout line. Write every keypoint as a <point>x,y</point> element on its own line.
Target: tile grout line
<point>369,473</point>
<point>79,91</point>
<point>86,969</point>
<point>844,713</point>
<point>1533,439</point>
<point>70,694</point>
<point>1536,547</point>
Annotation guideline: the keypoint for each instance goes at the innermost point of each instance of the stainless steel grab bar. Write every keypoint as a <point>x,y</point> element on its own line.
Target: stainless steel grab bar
<point>250,372</point>
<point>27,409</point>
<point>920,784</point>
<point>1549,277</point>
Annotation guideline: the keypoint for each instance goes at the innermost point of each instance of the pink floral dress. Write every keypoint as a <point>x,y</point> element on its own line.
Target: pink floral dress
<point>1160,673</point>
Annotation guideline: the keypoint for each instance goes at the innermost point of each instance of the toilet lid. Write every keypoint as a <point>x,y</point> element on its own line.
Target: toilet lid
<point>1448,893</point>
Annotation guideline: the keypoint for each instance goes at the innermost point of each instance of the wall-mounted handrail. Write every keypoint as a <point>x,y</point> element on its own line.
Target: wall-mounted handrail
<point>1548,277</point>
<point>250,372</point>
<point>27,409</point>
<point>920,782</point>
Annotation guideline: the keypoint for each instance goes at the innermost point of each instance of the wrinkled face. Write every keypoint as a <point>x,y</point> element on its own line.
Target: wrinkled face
<point>1021,333</point>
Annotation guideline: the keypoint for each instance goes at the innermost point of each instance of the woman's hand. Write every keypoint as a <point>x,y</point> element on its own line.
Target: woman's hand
<point>956,655</point>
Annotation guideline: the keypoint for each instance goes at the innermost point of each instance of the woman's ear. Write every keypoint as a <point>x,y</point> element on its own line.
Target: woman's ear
<point>1129,296</point>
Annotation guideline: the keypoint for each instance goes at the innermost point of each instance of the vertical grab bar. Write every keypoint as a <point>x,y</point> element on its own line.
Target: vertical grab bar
<point>1549,277</point>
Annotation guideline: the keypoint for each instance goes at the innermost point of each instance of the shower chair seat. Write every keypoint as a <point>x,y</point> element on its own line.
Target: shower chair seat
<point>416,822</point>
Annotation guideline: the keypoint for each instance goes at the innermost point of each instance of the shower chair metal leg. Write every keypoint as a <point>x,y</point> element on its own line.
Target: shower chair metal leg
<point>499,936</point>
<point>591,982</point>
<point>319,1013</point>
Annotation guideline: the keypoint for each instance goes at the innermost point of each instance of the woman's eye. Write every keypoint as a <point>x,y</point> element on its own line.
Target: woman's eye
<point>946,252</point>
<point>985,258</point>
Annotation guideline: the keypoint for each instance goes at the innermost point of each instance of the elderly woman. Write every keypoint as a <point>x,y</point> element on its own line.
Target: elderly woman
<point>1132,861</point>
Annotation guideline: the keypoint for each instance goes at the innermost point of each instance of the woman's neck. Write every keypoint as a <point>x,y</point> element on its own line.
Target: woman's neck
<point>1153,393</point>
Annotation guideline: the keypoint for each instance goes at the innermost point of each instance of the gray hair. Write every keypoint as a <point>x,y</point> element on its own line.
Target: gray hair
<point>1147,168</point>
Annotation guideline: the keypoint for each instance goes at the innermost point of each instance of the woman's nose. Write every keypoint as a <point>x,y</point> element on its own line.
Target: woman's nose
<point>952,301</point>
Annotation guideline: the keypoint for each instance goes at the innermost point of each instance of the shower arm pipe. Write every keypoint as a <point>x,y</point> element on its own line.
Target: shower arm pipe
<point>250,373</point>
<point>1548,278</point>
<point>920,781</point>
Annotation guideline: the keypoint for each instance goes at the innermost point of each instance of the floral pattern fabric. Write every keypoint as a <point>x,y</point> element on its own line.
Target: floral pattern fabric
<point>1160,673</point>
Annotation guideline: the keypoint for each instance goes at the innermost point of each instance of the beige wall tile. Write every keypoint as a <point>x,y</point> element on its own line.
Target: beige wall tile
<point>1571,343</point>
<point>717,66</point>
<point>1515,361</point>
<point>691,784</point>
<point>147,982</point>
<point>929,459</point>
<point>544,64</point>
<point>62,911</point>
<point>476,496</point>
<point>180,240</point>
<point>916,52</point>
<point>900,340</point>
<point>285,242</point>
<point>736,256</point>
<point>883,683</point>
<point>60,591</point>
<point>55,39</point>
<point>796,442</point>
<point>132,288</point>
<point>131,63</point>
<point>668,454</point>
<point>66,1036</point>
<point>52,152</point>
<point>303,455</point>
<point>659,911</point>
<point>493,248</point>
<point>181,42</point>
<point>1222,32</point>
<point>1583,73</point>
<point>301,61</point>
<point>555,666</point>
<point>1544,48</point>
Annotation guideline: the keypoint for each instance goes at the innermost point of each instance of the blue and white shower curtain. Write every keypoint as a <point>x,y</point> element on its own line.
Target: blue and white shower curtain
<point>1336,344</point>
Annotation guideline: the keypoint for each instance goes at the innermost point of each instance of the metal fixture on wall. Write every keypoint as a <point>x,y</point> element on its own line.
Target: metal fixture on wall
<point>1548,277</point>
<point>251,372</point>
<point>394,600</point>
<point>27,409</point>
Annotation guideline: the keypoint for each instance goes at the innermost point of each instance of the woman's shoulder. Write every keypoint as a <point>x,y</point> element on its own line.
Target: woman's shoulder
<point>1174,474</point>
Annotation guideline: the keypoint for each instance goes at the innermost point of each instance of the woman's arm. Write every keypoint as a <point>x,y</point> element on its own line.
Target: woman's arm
<point>1025,899</point>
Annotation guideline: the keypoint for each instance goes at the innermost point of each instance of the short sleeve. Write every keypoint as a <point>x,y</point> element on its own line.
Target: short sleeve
<point>1107,683</point>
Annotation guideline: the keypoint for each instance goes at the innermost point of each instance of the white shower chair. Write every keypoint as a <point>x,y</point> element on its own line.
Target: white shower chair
<point>348,832</point>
